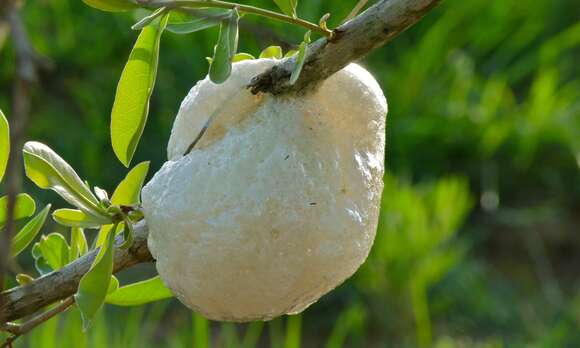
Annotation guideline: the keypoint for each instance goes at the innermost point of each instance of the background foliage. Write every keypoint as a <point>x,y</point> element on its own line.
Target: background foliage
<point>478,241</point>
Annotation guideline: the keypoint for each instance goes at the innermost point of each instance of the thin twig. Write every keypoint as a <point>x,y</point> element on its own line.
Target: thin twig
<point>242,8</point>
<point>18,330</point>
<point>58,285</point>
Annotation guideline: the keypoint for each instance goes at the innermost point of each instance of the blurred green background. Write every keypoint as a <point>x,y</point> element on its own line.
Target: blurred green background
<point>479,238</point>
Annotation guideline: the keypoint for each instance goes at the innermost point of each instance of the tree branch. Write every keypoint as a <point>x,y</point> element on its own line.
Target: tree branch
<point>63,283</point>
<point>353,40</point>
<point>22,329</point>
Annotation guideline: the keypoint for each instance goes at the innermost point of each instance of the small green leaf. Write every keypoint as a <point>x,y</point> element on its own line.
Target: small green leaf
<point>104,232</point>
<point>180,23</point>
<point>291,53</point>
<point>39,262</point>
<point>54,250</point>
<point>242,56</point>
<point>137,294</point>
<point>134,90</point>
<point>4,143</point>
<point>24,207</point>
<point>101,194</point>
<point>23,279</point>
<point>323,23</point>
<point>287,6</point>
<point>112,5</point>
<point>77,218</point>
<point>94,284</point>
<point>227,46</point>
<point>300,59</point>
<point>25,236</point>
<point>128,235</point>
<point>78,243</point>
<point>49,171</point>
<point>128,191</point>
<point>272,52</point>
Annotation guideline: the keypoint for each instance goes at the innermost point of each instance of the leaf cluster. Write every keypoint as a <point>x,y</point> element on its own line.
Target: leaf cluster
<point>131,106</point>
<point>92,209</point>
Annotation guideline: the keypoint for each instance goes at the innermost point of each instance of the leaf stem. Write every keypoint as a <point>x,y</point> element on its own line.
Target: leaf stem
<point>242,8</point>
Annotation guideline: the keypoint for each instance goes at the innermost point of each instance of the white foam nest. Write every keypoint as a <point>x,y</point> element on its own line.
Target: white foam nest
<point>277,204</point>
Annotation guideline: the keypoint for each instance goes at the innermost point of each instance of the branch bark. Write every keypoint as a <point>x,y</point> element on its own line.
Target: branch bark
<point>18,330</point>
<point>353,40</point>
<point>58,285</point>
<point>372,29</point>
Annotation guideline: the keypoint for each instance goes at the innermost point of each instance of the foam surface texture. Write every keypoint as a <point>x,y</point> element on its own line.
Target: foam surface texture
<point>278,203</point>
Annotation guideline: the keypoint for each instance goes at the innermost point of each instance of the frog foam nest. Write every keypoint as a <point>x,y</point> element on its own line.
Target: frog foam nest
<point>278,202</point>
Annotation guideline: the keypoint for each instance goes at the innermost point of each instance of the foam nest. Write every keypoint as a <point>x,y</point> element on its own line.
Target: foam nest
<point>277,204</point>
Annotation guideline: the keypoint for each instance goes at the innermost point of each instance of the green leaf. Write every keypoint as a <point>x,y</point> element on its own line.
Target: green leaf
<point>113,285</point>
<point>94,284</point>
<point>291,53</point>
<point>242,56</point>
<point>272,52</point>
<point>227,46</point>
<point>287,6</point>
<point>131,105</point>
<point>25,236</point>
<point>49,171</point>
<point>24,207</point>
<point>128,191</point>
<point>4,144</point>
<point>112,5</point>
<point>186,24</point>
<point>78,243</point>
<point>39,262</point>
<point>128,235</point>
<point>23,279</point>
<point>300,59</point>
<point>139,293</point>
<point>53,249</point>
<point>323,23</point>
<point>101,194</point>
<point>104,232</point>
<point>77,218</point>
